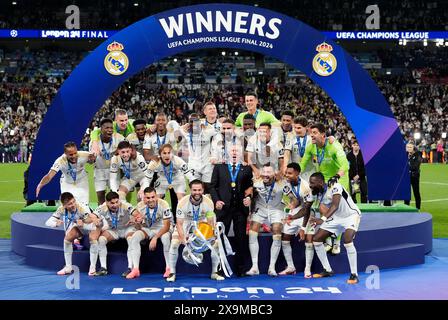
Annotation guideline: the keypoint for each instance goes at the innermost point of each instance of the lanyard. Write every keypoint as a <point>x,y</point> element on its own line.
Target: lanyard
<point>72,171</point>
<point>126,169</point>
<point>256,115</point>
<point>153,217</point>
<point>296,191</point>
<point>169,176</point>
<point>158,140</point>
<point>301,147</point>
<point>268,198</point>
<point>69,219</point>
<point>191,141</point>
<point>233,175</point>
<point>320,156</point>
<point>114,219</point>
<point>106,153</point>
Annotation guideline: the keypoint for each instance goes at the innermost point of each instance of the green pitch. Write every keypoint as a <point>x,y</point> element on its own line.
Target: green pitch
<point>433,185</point>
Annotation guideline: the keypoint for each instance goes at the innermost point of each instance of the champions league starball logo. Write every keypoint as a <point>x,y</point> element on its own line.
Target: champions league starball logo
<point>116,62</point>
<point>324,63</point>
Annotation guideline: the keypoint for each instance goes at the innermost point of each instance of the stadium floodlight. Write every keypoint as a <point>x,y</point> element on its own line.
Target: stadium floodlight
<point>223,53</point>
<point>388,72</point>
<point>425,43</point>
<point>188,60</point>
<point>14,3</point>
<point>236,53</point>
<point>136,4</point>
<point>417,135</point>
<point>256,5</point>
<point>443,135</point>
<point>175,60</point>
<point>260,72</point>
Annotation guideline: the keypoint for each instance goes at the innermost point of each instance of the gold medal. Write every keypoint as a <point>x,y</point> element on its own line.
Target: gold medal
<point>170,187</point>
<point>233,184</point>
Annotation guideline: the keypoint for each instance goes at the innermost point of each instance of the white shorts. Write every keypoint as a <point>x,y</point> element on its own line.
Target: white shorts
<point>82,230</point>
<point>101,179</point>
<point>80,189</point>
<point>295,225</point>
<point>203,173</point>
<point>178,185</point>
<point>269,217</point>
<point>121,233</point>
<point>151,232</point>
<point>131,183</point>
<point>338,225</point>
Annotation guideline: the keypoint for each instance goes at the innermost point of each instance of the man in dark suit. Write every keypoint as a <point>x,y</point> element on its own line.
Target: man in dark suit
<point>357,173</point>
<point>231,184</point>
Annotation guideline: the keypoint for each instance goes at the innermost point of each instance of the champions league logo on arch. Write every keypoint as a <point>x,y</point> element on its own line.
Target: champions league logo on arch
<point>238,27</point>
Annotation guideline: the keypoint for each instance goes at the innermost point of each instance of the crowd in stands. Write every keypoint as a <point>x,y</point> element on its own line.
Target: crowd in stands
<point>30,79</point>
<point>325,15</point>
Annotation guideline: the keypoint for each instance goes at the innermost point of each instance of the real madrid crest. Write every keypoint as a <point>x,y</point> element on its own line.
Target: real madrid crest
<point>324,63</point>
<point>116,62</point>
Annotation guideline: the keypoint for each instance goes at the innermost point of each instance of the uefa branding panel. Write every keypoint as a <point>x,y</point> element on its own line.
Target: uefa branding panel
<point>267,32</point>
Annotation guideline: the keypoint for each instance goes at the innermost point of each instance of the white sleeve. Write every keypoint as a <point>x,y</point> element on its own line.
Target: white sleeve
<point>57,165</point>
<point>114,177</point>
<point>183,166</point>
<point>52,222</point>
<point>336,189</point>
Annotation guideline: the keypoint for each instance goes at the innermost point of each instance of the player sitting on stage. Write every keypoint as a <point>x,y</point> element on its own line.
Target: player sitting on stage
<point>297,221</point>
<point>269,210</point>
<point>155,225</point>
<point>132,165</point>
<point>118,219</point>
<point>338,214</point>
<point>77,220</point>
<point>195,207</point>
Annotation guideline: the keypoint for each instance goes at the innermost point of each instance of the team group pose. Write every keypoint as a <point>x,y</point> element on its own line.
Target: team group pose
<point>287,176</point>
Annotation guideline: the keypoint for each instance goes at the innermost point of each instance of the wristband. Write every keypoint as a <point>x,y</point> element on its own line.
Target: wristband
<point>323,218</point>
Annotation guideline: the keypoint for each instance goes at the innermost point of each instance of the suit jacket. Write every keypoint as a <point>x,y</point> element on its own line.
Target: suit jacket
<point>220,186</point>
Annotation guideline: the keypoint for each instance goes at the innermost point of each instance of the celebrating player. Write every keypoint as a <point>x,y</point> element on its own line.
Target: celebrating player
<point>156,225</point>
<point>77,220</point>
<point>194,207</point>
<point>74,177</point>
<point>339,214</point>
<point>269,210</point>
<point>109,141</point>
<point>118,219</point>
<point>132,165</point>
<point>297,221</point>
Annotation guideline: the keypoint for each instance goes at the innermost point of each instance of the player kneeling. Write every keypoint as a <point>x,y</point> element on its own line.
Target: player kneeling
<point>342,216</point>
<point>77,220</point>
<point>156,224</point>
<point>193,208</point>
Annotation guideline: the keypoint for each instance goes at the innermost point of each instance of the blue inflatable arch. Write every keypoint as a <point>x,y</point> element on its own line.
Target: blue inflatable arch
<point>227,26</point>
